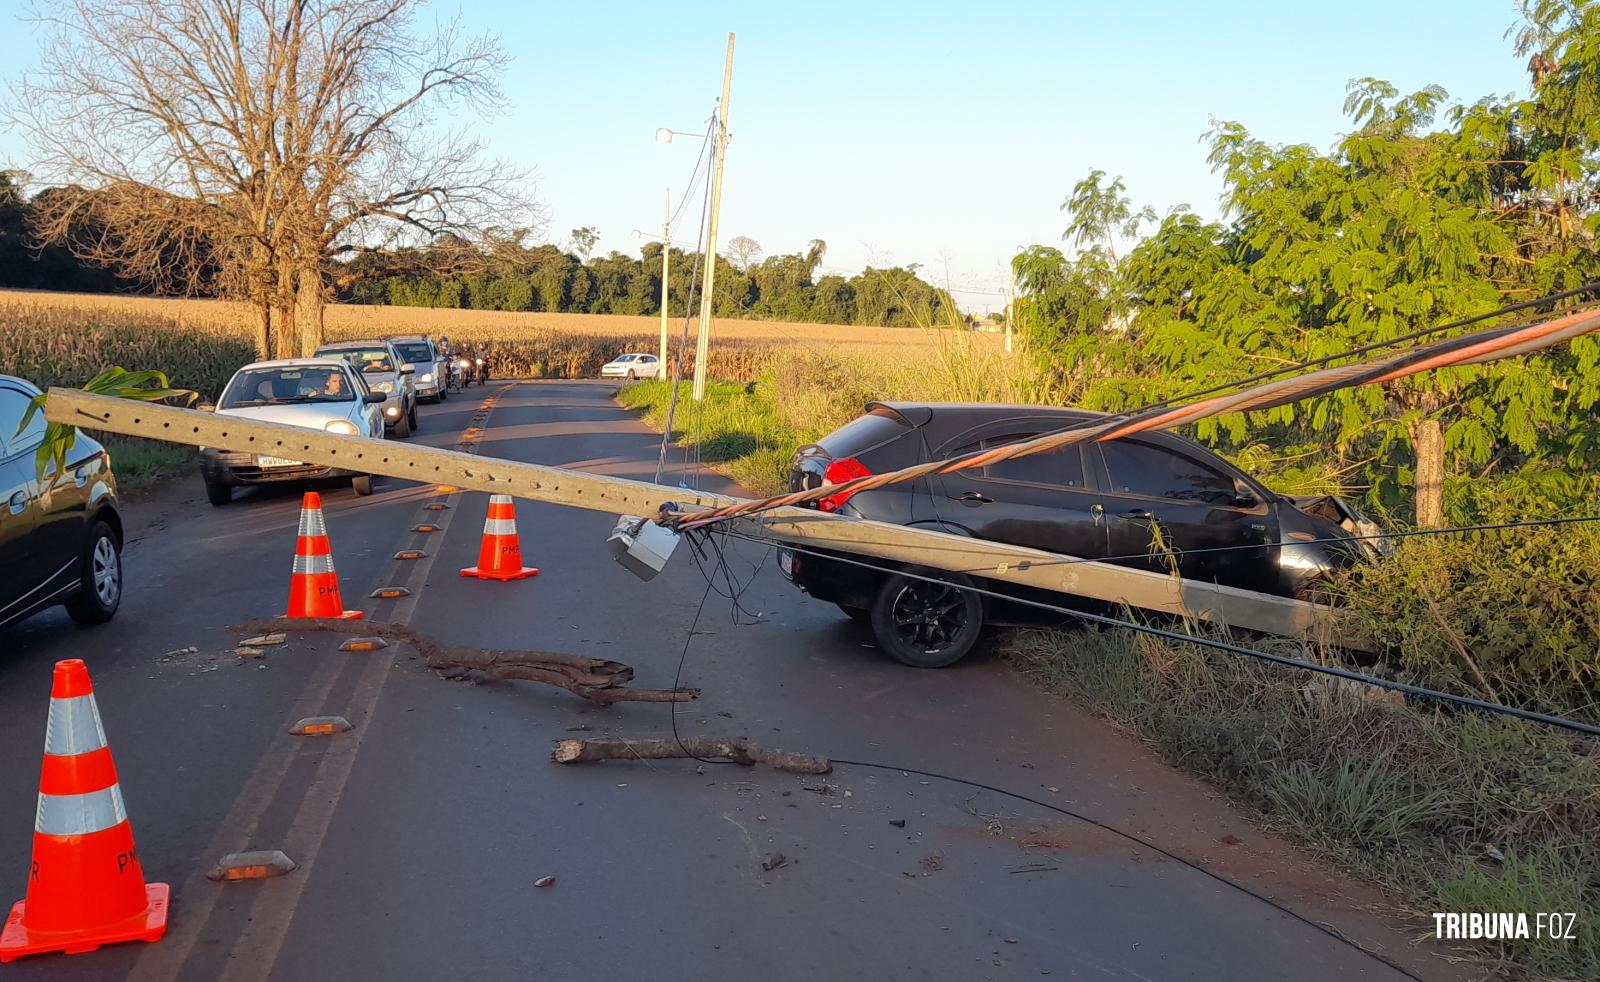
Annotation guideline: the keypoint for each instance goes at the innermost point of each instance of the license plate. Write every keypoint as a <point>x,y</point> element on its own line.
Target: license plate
<point>265,461</point>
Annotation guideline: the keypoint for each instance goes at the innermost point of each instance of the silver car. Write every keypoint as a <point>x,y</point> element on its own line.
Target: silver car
<point>384,371</point>
<point>419,351</point>
<point>317,393</point>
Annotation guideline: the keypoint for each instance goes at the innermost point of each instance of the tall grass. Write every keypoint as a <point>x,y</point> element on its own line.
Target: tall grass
<point>1458,811</point>
<point>801,395</point>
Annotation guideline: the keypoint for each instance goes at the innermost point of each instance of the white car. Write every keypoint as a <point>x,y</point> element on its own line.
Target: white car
<point>632,366</point>
<point>317,393</point>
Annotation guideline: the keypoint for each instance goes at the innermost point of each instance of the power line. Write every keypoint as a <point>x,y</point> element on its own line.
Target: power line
<point>735,594</point>
<point>1471,349</point>
<point>1405,688</point>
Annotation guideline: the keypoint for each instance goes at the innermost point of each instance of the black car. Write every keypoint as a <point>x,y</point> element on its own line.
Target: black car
<point>1147,502</point>
<point>61,538</point>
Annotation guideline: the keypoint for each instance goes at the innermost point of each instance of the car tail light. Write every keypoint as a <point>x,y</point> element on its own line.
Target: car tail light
<point>838,472</point>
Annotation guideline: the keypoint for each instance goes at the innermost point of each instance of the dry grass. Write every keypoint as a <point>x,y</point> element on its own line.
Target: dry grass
<point>354,320</point>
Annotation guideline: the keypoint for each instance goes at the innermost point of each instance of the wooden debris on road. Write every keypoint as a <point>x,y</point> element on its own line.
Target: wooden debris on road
<point>595,679</point>
<point>740,751</point>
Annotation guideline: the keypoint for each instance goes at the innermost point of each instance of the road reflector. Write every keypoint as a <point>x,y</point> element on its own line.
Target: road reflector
<point>364,644</point>
<point>410,554</point>
<point>390,592</point>
<point>258,865</point>
<point>436,506</point>
<point>320,725</point>
<point>448,489</point>
<point>425,527</point>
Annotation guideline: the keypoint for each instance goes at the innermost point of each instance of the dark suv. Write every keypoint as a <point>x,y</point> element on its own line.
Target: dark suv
<point>1145,502</point>
<point>60,539</point>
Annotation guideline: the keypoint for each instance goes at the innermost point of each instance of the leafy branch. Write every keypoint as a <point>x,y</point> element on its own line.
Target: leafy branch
<point>147,386</point>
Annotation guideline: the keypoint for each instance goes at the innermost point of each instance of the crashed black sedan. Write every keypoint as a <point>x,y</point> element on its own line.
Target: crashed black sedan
<point>1148,502</point>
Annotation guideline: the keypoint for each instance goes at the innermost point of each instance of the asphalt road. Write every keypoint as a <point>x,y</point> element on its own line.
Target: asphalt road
<point>421,832</point>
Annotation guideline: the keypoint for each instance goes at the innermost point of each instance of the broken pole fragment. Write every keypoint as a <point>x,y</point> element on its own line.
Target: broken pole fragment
<point>740,751</point>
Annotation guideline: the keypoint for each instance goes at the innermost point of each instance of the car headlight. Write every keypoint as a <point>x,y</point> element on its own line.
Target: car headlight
<point>383,386</point>
<point>391,411</point>
<point>342,426</point>
<point>425,377</point>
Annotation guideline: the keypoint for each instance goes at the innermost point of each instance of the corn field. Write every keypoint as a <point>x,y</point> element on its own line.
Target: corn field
<point>65,338</point>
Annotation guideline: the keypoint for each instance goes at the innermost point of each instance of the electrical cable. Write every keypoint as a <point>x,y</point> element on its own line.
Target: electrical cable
<point>1077,816</point>
<point>683,343</point>
<point>678,677</point>
<point>1332,540</point>
<point>1418,691</point>
<point>1469,349</point>
<point>1592,286</point>
<point>1331,932</point>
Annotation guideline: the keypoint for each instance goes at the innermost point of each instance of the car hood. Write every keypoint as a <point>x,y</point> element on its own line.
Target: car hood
<point>308,415</point>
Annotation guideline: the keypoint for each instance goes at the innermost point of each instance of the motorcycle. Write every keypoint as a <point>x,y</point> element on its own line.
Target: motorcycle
<point>461,371</point>
<point>480,366</point>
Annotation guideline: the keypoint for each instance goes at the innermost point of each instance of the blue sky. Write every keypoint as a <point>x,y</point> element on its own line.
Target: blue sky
<point>933,132</point>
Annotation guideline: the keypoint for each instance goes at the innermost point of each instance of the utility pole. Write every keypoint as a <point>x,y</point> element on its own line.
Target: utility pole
<point>666,252</point>
<point>703,343</point>
<point>1011,309</point>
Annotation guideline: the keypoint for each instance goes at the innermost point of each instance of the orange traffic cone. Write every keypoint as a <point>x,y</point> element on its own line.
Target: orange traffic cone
<point>85,887</point>
<point>314,586</point>
<point>500,556</point>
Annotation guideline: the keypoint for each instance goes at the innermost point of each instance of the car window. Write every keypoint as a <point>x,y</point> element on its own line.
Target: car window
<point>625,358</point>
<point>1142,469</point>
<point>1061,468</point>
<point>289,386</point>
<point>364,359</point>
<point>414,351</point>
<point>13,404</point>
<point>647,357</point>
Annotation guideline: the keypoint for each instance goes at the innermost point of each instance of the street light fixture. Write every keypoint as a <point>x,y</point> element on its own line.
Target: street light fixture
<point>664,135</point>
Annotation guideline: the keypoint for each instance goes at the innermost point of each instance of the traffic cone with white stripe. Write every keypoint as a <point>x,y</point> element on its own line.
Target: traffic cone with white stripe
<point>314,586</point>
<point>500,556</point>
<point>85,886</point>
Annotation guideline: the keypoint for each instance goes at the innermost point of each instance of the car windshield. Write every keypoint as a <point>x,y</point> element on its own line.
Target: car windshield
<point>288,386</point>
<point>414,351</point>
<point>364,359</point>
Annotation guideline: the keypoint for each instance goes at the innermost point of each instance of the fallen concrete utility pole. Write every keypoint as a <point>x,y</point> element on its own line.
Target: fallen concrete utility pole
<point>994,561</point>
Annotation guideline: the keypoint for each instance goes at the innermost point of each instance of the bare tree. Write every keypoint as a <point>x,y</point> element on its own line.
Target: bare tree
<point>286,135</point>
<point>743,251</point>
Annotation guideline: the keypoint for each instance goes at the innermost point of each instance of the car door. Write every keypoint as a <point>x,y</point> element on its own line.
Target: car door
<point>1040,501</point>
<point>368,416</point>
<point>22,571</point>
<point>1163,503</point>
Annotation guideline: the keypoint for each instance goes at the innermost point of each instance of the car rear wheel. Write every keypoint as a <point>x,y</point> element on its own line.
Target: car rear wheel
<point>101,591</point>
<point>362,484</point>
<point>402,427</point>
<point>927,625</point>
<point>219,494</point>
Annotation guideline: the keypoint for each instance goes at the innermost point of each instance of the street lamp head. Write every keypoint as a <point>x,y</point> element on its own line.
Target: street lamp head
<point>663,135</point>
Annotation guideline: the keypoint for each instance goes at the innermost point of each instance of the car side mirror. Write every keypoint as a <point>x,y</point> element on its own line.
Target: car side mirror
<point>372,398</point>
<point>408,369</point>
